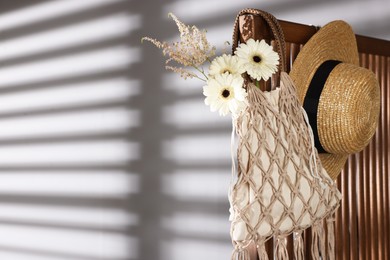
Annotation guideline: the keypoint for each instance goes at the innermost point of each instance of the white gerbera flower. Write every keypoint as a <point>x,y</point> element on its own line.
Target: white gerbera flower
<point>225,94</point>
<point>260,60</point>
<point>226,64</point>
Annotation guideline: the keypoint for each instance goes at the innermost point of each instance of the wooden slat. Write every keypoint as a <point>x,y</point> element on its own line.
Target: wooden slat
<point>353,216</point>
<point>373,181</point>
<point>343,233</point>
<point>362,237</point>
<point>385,151</point>
<point>366,184</point>
<point>377,171</point>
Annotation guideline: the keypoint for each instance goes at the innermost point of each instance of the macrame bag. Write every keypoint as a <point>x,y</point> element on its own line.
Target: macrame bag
<point>279,185</point>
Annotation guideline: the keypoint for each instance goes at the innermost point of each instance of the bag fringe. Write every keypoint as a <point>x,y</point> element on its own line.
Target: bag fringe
<point>281,252</point>
<point>331,238</point>
<point>240,254</point>
<point>318,245</point>
<point>261,251</point>
<point>299,253</point>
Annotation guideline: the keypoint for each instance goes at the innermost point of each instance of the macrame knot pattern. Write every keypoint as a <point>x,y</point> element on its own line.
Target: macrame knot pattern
<point>281,186</point>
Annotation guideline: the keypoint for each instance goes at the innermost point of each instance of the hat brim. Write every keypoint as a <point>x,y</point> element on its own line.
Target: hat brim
<point>334,41</point>
<point>333,163</point>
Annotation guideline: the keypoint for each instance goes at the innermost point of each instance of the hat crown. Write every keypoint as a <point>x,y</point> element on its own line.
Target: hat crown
<point>348,109</point>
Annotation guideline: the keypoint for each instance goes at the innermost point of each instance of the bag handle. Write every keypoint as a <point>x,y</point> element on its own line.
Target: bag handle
<point>276,29</point>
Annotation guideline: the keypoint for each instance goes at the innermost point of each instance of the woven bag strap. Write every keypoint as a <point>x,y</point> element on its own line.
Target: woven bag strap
<point>276,29</point>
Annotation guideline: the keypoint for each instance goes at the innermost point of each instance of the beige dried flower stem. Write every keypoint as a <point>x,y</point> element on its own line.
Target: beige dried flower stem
<point>183,73</point>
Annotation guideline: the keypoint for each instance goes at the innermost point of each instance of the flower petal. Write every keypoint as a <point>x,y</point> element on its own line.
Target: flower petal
<point>232,103</point>
<point>269,59</point>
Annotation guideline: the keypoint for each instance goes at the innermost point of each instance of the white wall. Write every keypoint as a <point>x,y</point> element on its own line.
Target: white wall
<point>104,154</point>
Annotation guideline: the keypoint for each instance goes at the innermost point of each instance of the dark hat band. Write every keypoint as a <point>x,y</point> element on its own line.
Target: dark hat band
<point>312,98</point>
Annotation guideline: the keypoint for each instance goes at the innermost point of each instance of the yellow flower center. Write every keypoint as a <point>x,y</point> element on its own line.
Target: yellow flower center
<point>256,59</point>
<point>226,70</point>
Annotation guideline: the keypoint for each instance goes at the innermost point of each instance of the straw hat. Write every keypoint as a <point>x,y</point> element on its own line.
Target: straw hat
<point>342,100</point>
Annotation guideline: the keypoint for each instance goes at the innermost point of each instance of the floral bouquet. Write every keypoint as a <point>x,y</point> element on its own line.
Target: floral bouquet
<point>224,89</point>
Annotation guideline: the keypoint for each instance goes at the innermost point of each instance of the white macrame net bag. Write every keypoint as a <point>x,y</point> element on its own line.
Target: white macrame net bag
<point>279,185</point>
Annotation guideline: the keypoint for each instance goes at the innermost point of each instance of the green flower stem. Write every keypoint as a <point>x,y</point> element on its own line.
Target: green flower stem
<point>200,78</point>
<point>257,84</point>
<point>201,71</point>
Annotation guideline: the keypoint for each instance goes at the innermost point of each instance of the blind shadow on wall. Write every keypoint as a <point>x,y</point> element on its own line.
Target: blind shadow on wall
<point>66,122</point>
<point>98,160</point>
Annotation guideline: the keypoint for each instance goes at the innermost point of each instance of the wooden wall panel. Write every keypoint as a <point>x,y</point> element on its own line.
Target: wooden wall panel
<point>363,219</point>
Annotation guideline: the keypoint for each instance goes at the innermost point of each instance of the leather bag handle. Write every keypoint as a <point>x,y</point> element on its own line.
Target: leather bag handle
<point>276,29</point>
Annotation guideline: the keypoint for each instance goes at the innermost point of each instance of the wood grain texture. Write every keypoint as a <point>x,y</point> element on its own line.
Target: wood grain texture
<point>362,225</point>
